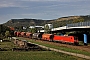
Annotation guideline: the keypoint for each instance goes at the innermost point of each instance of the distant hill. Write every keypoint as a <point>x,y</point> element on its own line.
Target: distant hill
<point>26,22</point>
<point>56,22</point>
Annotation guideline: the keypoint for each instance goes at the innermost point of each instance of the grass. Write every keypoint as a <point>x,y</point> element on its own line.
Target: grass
<point>32,55</point>
<point>36,55</point>
<point>7,45</point>
<point>59,47</point>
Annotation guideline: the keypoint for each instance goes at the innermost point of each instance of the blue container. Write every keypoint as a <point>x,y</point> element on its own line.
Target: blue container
<point>85,39</point>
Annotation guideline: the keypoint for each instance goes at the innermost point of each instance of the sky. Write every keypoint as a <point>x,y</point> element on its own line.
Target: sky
<point>42,9</point>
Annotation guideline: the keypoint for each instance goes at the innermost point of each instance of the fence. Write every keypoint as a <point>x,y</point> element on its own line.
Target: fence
<point>79,24</point>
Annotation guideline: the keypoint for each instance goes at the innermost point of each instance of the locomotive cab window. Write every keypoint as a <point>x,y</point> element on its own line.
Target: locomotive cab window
<point>71,38</point>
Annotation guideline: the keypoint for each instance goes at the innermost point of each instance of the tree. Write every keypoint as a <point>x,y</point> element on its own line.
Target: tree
<point>1,37</point>
<point>7,34</point>
<point>78,20</point>
<point>46,28</point>
<point>33,30</point>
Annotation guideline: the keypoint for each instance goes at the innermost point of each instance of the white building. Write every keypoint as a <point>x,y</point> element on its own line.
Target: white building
<point>32,27</point>
<point>50,26</point>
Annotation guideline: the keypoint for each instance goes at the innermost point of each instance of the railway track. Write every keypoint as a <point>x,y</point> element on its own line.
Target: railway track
<point>79,47</point>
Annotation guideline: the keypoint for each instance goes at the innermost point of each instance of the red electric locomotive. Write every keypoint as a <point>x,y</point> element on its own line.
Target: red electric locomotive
<point>66,39</point>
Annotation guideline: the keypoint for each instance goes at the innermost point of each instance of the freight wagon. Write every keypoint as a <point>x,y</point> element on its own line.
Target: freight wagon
<point>15,33</point>
<point>28,35</point>
<point>18,34</point>
<point>37,36</point>
<point>48,37</point>
<point>23,34</point>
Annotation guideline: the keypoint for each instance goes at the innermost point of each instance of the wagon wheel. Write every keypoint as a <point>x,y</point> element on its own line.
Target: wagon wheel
<point>51,40</point>
<point>75,43</point>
